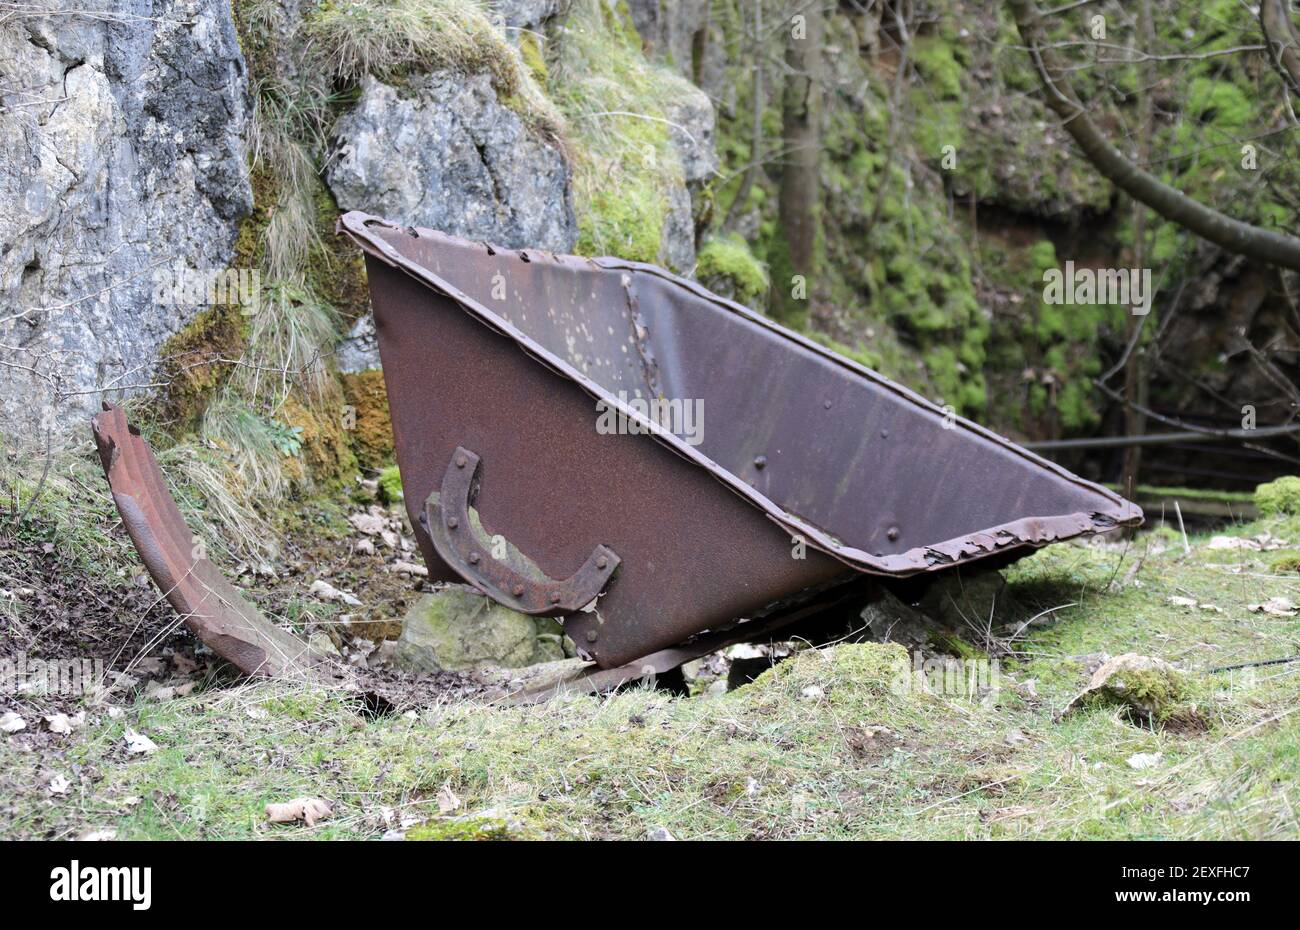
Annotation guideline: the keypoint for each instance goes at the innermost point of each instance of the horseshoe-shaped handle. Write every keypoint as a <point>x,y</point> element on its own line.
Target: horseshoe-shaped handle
<point>447,522</point>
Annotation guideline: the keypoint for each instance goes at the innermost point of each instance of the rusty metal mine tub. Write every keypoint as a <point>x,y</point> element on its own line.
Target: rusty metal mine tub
<point>800,471</point>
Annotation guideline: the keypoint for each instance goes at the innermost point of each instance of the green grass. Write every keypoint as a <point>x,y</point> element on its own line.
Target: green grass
<point>791,755</point>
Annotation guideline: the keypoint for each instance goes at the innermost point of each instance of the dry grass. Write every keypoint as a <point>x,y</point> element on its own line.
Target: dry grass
<point>390,38</point>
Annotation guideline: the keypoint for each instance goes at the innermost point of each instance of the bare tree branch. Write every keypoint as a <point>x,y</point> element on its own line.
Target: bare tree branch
<point>1254,242</point>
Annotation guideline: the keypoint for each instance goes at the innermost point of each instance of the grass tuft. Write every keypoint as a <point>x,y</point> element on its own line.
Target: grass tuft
<point>391,38</point>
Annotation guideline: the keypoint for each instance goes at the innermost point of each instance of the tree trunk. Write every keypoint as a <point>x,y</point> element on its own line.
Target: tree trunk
<point>1135,374</point>
<point>758,104</point>
<point>793,264</point>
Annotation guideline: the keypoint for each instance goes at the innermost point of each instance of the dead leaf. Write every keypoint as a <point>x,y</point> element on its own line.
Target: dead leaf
<point>1182,601</point>
<point>11,722</point>
<point>324,589</point>
<point>1276,606</point>
<point>1231,542</point>
<point>409,568</point>
<point>447,800</point>
<point>101,835</point>
<point>308,810</point>
<point>58,786</point>
<point>138,743</point>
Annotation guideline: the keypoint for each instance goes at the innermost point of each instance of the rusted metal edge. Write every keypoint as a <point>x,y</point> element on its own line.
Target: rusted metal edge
<point>595,681</point>
<point>208,604</point>
<point>1032,532</point>
<point>447,521</point>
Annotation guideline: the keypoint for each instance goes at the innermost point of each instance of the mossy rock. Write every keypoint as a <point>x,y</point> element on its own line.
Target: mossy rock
<point>845,674</point>
<point>325,453</point>
<point>726,266</point>
<point>1279,498</point>
<point>371,430</point>
<point>1151,688</point>
<point>1288,560</point>
<point>458,628</point>
<point>473,827</point>
<point>196,362</point>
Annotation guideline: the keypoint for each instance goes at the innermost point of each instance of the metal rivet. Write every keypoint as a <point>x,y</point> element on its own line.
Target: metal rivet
<point>461,461</point>
<point>453,522</point>
<point>760,462</point>
<point>893,533</point>
<point>884,434</point>
<point>591,636</point>
<point>473,558</point>
<point>518,590</point>
<point>826,404</point>
<point>602,562</point>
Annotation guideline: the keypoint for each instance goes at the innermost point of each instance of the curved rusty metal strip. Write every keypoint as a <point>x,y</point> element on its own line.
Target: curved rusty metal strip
<point>210,606</point>
<point>447,521</point>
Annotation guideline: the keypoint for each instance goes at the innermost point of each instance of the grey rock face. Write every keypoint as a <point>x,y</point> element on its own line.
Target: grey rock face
<point>668,28</point>
<point>442,152</point>
<point>677,241</point>
<point>121,158</point>
<point>523,14</point>
<point>359,351</point>
<point>693,131</point>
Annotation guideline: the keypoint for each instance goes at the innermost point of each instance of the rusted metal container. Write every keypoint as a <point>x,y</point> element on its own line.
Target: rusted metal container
<point>772,469</point>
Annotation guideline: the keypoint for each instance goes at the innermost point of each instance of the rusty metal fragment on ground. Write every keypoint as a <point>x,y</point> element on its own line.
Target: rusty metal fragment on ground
<point>210,606</point>
<point>809,469</point>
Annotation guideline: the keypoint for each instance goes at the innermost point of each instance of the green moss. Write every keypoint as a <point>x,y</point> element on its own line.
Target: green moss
<point>624,160</point>
<point>319,440</point>
<point>1221,103</point>
<point>197,361</point>
<point>933,58</point>
<point>1279,497</point>
<point>726,264</point>
<point>530,49</point>
<point>390,485</point>
<point>473,828</point>
<point>371,428</point>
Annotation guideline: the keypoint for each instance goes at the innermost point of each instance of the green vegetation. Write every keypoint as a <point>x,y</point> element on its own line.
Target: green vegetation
<point>725,264</point>
<point>390,485</point>
<point>1279,497</point>
<point>615,102</point>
